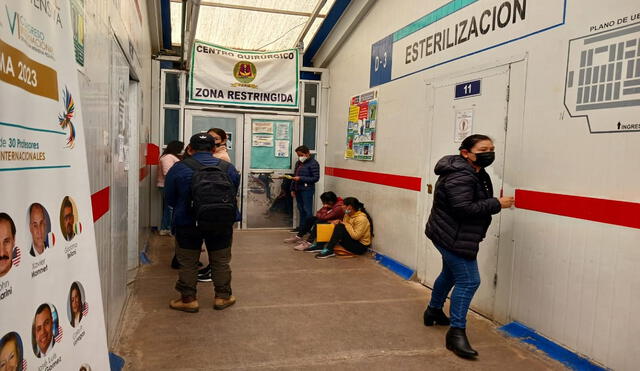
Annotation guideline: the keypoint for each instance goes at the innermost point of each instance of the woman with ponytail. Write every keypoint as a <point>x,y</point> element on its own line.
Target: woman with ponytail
<point>354,232</point>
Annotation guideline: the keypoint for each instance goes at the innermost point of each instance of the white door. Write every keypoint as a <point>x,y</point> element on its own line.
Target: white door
<point>269,157</point>
<point>453,119</point>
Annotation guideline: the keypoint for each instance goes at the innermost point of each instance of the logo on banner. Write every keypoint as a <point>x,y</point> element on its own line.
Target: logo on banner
<point>33,37</point>
<point>245,72</point>
<point>64,119</point>
<point>603,79</point>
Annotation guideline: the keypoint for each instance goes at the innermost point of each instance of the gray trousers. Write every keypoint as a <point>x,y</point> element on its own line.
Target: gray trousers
<point>189,240</point>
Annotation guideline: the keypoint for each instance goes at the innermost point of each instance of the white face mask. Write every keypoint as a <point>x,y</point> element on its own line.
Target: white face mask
<point>302,159</point>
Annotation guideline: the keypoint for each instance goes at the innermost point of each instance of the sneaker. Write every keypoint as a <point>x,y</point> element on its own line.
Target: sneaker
<point>164,232</point>
<point>294,239</point>
<point>204,271</point>
<point>325,253</point>
<point>204,277</point>
<point>302,245</point>
<point>191,306</point>
<point>313,248</point>
<point>220,303</point>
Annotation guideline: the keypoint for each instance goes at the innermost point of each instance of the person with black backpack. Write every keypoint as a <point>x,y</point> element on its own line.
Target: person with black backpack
<point>202,190</point>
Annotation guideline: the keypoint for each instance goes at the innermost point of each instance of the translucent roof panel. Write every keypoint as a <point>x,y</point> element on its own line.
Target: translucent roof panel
<point>252,24</point>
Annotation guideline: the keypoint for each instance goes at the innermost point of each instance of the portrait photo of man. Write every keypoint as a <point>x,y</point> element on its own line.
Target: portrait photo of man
<point>39,227</point>
<point>7,243</point>
<point>11,352</point>
<point>67,219</point>
<point>43,330</point>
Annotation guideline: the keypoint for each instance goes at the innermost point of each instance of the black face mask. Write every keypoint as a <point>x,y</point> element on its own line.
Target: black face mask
<point>484,159</point>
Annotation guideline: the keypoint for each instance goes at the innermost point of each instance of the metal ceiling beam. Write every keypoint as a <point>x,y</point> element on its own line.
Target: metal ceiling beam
<point>307,25</point>
<point>190,26</point>
<point>255,9</point>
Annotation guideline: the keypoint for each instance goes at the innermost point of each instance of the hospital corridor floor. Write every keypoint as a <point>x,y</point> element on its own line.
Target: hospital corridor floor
<point>294,312</point>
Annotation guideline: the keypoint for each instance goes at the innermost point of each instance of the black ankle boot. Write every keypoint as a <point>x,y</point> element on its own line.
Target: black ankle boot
<point>458,343</point>
<point>437,316</point>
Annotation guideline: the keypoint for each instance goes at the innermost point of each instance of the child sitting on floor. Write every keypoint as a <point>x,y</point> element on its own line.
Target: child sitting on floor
<point>354,233</point>
<point>332,209</point>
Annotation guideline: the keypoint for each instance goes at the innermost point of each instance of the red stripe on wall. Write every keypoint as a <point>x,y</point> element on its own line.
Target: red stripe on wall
<point>143,173</point>
<point>153,154</point>
<point>626,214</point>
<point>391,180</point>
<point>100,203</point>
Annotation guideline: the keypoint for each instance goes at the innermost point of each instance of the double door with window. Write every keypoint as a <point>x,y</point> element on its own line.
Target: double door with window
<point>262,148</point>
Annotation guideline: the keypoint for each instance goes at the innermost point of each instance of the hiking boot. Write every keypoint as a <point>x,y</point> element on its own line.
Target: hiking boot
<point>220,303</point>
<point>294,239</point>
<point>313,248</point>
<point>302,245</point>
<point>185,304</point>
<point>325,253</point>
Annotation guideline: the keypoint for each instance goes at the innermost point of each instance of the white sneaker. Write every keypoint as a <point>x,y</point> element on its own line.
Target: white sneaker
<point>294,239</point>
<point>303,245</point>
<point>164,232</point>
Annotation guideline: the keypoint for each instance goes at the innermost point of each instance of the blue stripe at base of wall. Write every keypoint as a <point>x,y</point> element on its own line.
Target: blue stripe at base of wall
<point>553,350</point>
<point>394,266</point>
<point>116,362</point>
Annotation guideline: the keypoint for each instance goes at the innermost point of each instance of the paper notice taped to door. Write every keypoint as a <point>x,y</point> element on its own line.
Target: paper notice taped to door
<point>463,125</point>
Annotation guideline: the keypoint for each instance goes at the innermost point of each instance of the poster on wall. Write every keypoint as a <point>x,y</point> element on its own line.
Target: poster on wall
<point>77,23</point>
<point>463,125</point>
<point>361,126</point>
<point>50,298</point>
<point>238,77</point>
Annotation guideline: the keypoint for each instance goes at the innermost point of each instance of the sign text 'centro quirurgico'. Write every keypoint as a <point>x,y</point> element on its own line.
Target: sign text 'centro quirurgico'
<point>246,78</point>
<point>459,29</point>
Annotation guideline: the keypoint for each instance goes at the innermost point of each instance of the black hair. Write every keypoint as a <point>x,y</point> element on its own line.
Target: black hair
<point>173,148</point>
<point>7,218</point>
<point>471,141</point>
<point>359,206</point>
<point>303,149</point>
<point>66,202</point>
<point>329,197</point>
<point>221,133</point>
<point>42,307</point>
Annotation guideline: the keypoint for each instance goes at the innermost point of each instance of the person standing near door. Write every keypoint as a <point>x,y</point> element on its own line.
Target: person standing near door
<point>306,175</point>
<point>209,218</point>
<point>461,214</point>
<point>220,136</point>
<point>169,157</point>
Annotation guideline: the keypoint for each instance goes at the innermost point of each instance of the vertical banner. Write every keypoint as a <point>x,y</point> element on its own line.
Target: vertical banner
<point>361,126</point>
<point>51,315</point>
<point>239,77</point>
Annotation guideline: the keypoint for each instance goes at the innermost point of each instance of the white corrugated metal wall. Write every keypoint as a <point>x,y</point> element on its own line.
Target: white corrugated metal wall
<point>115,34</point>
<point>570,279</point>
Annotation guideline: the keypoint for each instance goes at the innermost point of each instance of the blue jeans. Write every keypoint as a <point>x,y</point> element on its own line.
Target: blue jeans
<point>167,213</point>
<point>304,200</point>
<point>464,275</point>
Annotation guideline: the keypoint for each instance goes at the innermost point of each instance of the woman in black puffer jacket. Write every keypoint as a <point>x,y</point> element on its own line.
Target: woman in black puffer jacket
<point>461,214</point>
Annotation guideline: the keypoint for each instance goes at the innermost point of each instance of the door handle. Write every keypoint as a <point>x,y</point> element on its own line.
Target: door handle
<point>429,188</point>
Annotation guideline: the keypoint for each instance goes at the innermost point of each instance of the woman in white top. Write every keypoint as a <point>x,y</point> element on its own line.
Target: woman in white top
<point>220,137</point>
<point>169,157</point>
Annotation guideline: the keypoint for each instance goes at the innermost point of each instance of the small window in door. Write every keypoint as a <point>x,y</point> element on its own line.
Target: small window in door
<point>171,125</point>
<point>310,124</point>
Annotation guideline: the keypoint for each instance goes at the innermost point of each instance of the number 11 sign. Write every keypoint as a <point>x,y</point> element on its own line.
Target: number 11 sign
<point>467,89</point>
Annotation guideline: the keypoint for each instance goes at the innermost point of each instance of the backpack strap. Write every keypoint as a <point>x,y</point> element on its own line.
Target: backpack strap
<point>194,164</point>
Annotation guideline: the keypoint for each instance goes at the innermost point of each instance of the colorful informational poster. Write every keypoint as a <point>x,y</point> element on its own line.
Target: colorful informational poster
<point>249,78</point>
<point>51,314</point>
<point>77,23</point>
<point>361,127</point>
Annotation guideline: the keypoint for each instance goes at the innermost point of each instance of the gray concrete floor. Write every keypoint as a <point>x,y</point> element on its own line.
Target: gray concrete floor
<point>295,312</point>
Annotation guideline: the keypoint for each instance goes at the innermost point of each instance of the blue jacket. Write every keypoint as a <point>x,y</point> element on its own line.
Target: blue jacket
<point>177,187</point>
<point>309,173</point>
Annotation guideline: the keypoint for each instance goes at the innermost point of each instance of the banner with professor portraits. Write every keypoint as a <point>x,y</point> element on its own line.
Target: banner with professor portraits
<point>51,315</point>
